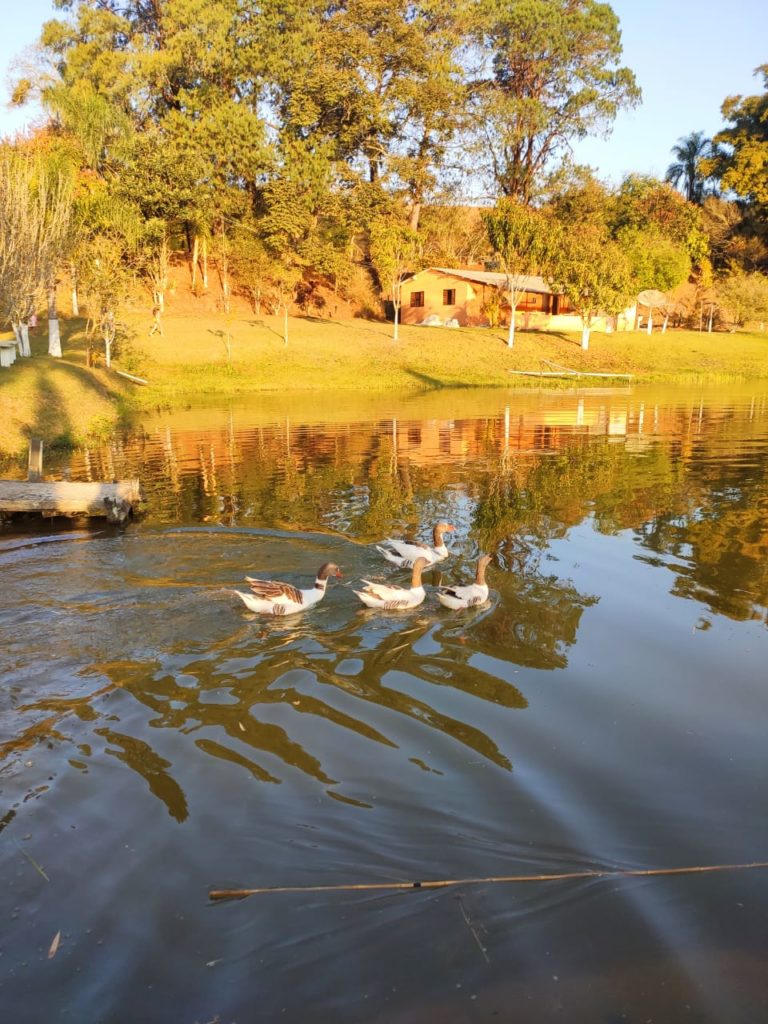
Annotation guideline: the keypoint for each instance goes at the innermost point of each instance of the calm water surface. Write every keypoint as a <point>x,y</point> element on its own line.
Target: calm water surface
<point>607,709</point>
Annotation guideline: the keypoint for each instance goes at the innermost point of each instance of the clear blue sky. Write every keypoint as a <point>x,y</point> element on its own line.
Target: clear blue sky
<point>688,55</point>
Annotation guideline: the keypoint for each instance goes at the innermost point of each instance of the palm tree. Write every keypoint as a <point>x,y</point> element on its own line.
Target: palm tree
<point>689,153</point>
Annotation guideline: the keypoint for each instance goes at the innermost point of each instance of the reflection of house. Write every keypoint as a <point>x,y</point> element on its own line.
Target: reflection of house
<point>462,295</point>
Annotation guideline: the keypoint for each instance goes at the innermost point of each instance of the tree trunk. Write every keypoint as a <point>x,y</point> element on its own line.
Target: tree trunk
<point>205,264</point>
<point>585,337</point>
<point>24,338</point>
<point>285,324</point>
<point>650,321</point>
<point>195,254</point>
<point>75,301</point>
<point>397,320</point>
<point>54,334</point>
<point>413,224</point>
<point>511,333</point>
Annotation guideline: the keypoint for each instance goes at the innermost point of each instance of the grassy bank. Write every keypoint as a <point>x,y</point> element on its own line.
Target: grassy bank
<point>61,401</point>
<point>64,401</point>
<point>354,354</point>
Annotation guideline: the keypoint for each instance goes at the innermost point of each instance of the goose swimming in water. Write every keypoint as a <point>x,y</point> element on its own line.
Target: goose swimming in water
<point>468,596</point>
<point>389,597</point>
<point>403,553</point>
<point>273,597</point>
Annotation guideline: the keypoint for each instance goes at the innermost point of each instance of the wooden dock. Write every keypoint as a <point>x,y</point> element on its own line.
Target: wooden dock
<point>114,501</point>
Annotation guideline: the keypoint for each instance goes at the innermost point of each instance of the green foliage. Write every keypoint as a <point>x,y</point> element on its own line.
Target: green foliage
<point>594,272</point>
<point>690,166</point>
<point>743,297</point>
<point>741,159</point>
<point>551,74</point>
<point>655,261</point>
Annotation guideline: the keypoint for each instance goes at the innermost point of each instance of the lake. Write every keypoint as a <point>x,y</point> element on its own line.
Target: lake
<point>606,711</point>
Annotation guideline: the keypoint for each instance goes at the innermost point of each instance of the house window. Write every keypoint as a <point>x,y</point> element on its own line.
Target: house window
<point>417,298</point>
<point>449,296</point>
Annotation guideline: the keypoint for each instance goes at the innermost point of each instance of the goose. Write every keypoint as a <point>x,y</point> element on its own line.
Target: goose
<point>403,553</point>
<point>393,598</point>
<point>273,597</point>
<point>470,595</point>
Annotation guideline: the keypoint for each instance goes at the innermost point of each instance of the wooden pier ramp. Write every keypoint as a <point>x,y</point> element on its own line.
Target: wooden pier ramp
<point>113,501</point>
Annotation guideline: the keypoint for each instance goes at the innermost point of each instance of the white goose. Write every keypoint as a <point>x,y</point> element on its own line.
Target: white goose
<point>273,597</point>
<point>389,597</point>
<point>403,553</point>
<point>470,595</point>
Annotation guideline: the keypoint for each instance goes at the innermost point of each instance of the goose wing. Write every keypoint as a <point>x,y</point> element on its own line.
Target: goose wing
<point>386,591</point>
<point>409,549</point>
<point>275,590</point>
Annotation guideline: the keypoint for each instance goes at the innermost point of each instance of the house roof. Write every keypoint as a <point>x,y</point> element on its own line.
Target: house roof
<point>525,282</point>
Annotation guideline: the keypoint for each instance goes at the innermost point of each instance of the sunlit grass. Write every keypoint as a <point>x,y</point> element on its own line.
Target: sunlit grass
<point>357,354</point>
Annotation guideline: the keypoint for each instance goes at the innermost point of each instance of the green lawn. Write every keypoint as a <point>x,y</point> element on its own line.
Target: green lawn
<point>359,354</point>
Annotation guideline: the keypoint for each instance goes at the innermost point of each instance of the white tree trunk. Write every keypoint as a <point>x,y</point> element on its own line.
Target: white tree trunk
<point>75,301</point>
<point>511,333</point>
<point>54,334</point>
<point>650,321</point>
<point>107,351</point>
<point>285,324</point>
<point>24,339</point>
<point>195,249</point>
<point>205,264</point>
<point>585,337</point>
<point>664,325</point>
<point>397,320</point>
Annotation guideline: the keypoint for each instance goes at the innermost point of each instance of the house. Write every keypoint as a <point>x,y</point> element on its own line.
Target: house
<point>461,295</point>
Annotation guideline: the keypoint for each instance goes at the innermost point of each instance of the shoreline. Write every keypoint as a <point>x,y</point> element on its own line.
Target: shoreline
<point>201,359</point>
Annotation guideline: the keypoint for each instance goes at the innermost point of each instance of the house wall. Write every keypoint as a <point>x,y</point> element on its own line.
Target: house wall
<point>533,312</point>
<point>468,300</point>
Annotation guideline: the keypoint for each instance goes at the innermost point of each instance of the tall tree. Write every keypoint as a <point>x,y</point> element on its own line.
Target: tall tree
<point>594,273</point>
<point>691,153</point>
<point>741,158</point>
<point>521,239</point>
<point>551,74</point>
<point>394,251</point>
<point>35,225</point>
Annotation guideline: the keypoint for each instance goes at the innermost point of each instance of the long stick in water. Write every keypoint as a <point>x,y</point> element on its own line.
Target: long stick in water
<point>444,883</point>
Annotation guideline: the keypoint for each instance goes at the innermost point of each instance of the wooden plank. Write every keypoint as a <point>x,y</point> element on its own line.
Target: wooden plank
<point>68,498</point>
<point>130,376</point>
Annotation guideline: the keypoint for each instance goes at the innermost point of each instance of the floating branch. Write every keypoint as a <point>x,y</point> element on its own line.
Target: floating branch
<point>445,883</point>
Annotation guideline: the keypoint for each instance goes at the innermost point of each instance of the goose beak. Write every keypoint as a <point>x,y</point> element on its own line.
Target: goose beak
<point>338,574</point>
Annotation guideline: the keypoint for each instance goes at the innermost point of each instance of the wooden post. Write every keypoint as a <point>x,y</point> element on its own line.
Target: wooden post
<point>35,469</point>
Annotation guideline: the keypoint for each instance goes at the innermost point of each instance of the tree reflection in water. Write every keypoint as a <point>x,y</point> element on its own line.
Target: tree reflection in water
<point>514,482</point>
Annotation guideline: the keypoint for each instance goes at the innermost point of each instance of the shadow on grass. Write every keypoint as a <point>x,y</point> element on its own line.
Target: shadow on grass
<point>50,421</point>
<point>429,383</point>
<point>260,323</point>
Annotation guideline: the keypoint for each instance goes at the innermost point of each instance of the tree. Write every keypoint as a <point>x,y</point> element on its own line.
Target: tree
<point>691,153</point>
<point>394,251</point>
<point>741,157</point>
<point>594,273</point>
<point>35,224</point>
<point>550,75</point>
<point>521,240</point>
<point>743,297</point>
<point>644,203</point>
